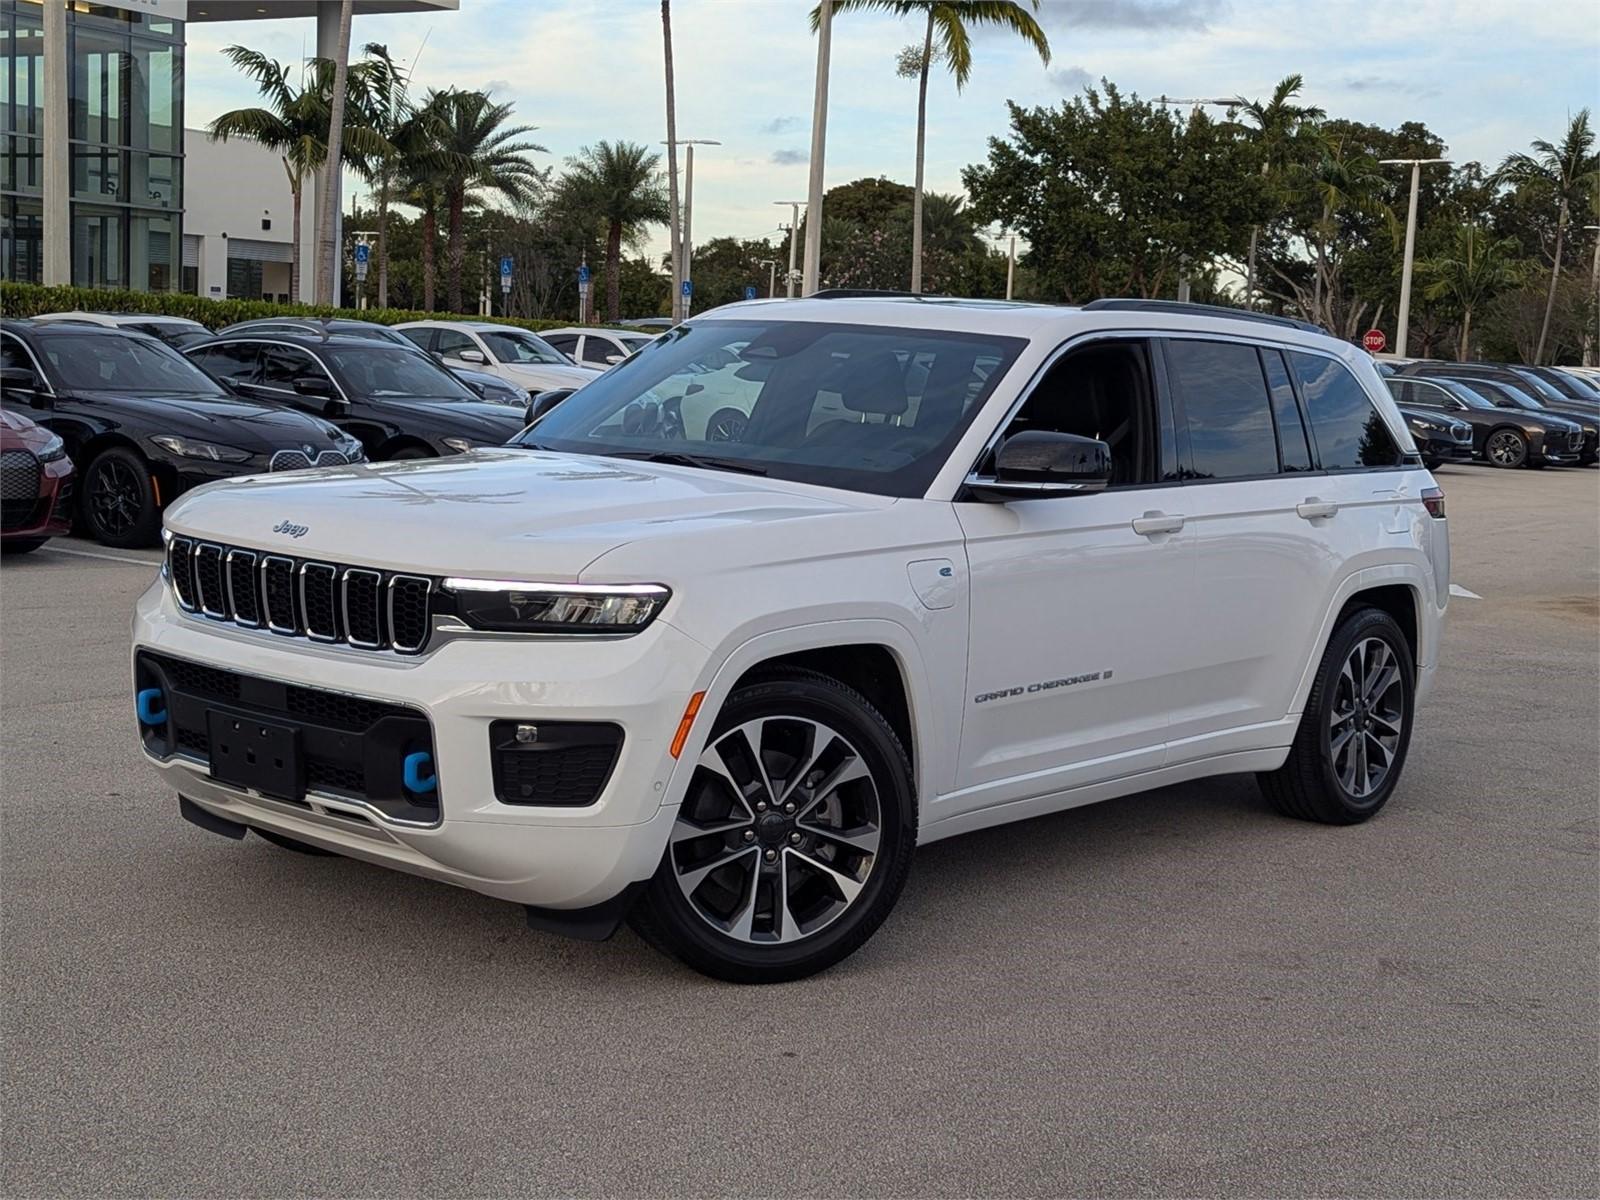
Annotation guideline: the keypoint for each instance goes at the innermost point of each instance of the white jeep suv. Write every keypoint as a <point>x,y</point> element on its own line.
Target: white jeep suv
<point>966,563</point>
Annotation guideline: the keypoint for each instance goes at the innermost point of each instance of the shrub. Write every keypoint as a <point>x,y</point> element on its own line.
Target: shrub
<point>19,300</point>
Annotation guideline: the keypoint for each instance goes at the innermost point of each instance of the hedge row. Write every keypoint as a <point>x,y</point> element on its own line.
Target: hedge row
<point>29,299</point>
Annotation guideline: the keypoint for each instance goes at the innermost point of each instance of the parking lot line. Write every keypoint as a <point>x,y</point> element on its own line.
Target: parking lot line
<point>1457,590</point>
<point>120,558</point>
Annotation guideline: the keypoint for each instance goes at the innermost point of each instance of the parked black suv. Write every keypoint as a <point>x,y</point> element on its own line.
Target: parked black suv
<point>487,387</point>
<point>1440,437</point>
<point>1503,437</point>
<point>1506,395</point>
<point>395,400</point>
<point>143,425</point>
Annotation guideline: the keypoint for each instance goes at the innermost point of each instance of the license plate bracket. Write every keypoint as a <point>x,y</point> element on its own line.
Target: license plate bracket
<point>251,753</point>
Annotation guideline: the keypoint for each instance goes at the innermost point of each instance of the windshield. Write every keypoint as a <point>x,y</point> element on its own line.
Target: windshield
<point>1467,394</point>
<point>179,338</point>
<point>373,333</point>
<point>517,346</point>
<point>383,370</point>
<point>1531,383</point>
<point>104,363</point>
<point>861,407</point>
<point>1514,396</point>
<point>634,344</point>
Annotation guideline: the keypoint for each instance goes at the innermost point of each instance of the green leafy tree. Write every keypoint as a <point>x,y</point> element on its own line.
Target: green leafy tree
<point>619,184</point>
<point>950,22</point>
<point>1477,270</point>
<point>1559,174</point>
<point>1114,194</point>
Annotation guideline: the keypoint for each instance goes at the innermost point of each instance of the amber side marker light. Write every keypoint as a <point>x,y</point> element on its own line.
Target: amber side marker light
<point>1433,501</point>
<point>690,711</point>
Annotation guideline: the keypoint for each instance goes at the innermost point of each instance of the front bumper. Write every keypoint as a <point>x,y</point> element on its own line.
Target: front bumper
<point>1441,447</point>
<point>50,513</point>
<point>546,856</point>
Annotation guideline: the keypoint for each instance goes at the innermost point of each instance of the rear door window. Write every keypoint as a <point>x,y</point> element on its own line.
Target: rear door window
<point>282,365</point>
<point>1294,447</point>
<point>596,350</point>
<point>1349,432</point>
<point>567,343</point>
<point>231,362</point>
<point>1227,408</point>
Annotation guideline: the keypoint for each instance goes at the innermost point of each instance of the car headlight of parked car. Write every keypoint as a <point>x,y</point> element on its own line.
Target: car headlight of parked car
<point>53,449</point>
<point>191,448</point>
<point>460,444</point>
<point>510,607</point>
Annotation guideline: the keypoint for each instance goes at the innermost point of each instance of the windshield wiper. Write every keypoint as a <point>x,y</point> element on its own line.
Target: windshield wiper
<point>679,458</point>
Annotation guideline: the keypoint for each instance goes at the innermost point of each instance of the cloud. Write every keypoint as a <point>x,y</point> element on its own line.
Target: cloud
<point>500,86</point>
<point>789,158</point>
<point>1071,79</point>
<point>1065,17</point>
<point>780,125</point>
<point>1387,85</point>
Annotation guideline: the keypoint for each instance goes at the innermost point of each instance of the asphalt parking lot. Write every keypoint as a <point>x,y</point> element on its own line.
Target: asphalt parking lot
<point>1174,994</point>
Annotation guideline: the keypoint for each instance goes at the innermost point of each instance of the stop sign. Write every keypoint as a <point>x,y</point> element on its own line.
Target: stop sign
<point>1374,341</point>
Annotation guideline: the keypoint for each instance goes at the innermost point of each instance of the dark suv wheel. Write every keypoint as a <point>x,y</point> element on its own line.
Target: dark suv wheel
<point>1351,744</point>
<point>793,840</point>
<point>119,501</point>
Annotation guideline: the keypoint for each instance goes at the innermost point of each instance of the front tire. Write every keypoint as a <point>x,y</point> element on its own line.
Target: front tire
<point>1351,745</point>
<point>119,502</point>
<point>794,838</point>
<point>1506,448</point>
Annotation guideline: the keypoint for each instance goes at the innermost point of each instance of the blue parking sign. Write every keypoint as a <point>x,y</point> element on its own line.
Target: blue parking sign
<point>583,273</point>
<point>749,292</point>
<point>505,266</point>
<point>688,288</point>
<point>363,252</point>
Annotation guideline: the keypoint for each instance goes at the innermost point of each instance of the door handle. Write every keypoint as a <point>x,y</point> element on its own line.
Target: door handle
<point>1154,522</point>
<point>1311,508</point>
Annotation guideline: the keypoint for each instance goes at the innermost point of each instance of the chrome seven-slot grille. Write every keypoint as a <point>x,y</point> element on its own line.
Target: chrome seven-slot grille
<point>325,602</point>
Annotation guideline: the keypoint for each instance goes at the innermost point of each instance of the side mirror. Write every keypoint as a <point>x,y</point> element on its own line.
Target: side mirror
<point>477,386</point>
<point>545,401</point>
<point>335,408</point>
<point>19,379</point>
<point>694,389</point>
<point>314,385</point>
<point>472,356</point>
<point>613,359</point>
<point>1038,462</point>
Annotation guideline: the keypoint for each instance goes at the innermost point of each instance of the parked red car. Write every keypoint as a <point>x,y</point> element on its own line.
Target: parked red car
<point>35,484</point>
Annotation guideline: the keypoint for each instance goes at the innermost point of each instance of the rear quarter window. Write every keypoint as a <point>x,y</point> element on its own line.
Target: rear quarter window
<point>1349,432</point>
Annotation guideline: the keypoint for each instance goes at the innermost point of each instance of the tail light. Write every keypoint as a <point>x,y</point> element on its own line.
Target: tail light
<point>1433,501</point>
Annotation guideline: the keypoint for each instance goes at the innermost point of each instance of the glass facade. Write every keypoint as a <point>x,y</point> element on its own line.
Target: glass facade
<point>125,96</point>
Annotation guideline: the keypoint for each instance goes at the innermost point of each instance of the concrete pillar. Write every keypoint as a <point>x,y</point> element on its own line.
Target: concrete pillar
<point>329,176</point>
<point>57,162</point>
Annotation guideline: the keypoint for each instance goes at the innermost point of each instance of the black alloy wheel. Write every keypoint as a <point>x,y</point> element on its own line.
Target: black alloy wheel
<point>726,425</point>
<point>1506,448</point>
<point>119,500</point>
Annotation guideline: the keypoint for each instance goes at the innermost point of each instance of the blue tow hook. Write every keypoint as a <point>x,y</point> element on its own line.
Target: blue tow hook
<point>415,764</point>
<point>149,706</point>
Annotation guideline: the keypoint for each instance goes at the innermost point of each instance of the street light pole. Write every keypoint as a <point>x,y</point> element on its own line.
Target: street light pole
<point>684,247</point>
<point>1402,324</point>
<point>1011,264</point>
<point>772,274</point>
<point>819,138</point>
<point>794,237</point>
<point>1590,335</point>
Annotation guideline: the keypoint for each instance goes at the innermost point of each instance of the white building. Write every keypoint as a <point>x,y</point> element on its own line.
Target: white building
<point>238,222</point>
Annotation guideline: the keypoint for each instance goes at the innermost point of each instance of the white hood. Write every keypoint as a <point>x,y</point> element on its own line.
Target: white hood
<point>548,375</point>
<point>492,513</point>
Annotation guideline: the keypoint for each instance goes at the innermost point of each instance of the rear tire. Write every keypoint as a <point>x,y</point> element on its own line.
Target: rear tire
<point>408,452</point>
<point>769,877</point>
<point>1505,448</point>
<point>1351,745</point>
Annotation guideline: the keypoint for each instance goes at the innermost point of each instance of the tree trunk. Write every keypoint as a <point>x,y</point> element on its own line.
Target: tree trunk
<point>327,202</point>
<point>1555,275</point>
<point>922,134</point>
<point>614,272</point>
<point>673,226</point>
<point>295,193</point>
<point>430,237</point>
<point>383,237</point>
<point>1464,350</point>
<point>454,249</point>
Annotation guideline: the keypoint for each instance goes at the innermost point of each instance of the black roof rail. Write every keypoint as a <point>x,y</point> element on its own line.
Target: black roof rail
<point>862,294</point>
<point>1182,307</point>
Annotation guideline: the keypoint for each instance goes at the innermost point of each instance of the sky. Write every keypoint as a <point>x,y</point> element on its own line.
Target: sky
<point>1488,76</point>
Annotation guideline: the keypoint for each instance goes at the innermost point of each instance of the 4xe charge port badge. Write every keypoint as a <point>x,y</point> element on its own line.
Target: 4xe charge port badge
<point>1047,685</point>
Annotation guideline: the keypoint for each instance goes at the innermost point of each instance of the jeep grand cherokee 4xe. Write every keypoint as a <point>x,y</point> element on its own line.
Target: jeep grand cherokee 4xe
<point>966,563</point>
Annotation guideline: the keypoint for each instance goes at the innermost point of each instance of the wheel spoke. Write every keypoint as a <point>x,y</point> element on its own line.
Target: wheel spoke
<point>786,926</point>
<point>744,920</point>
<point>1340,741</point>
<point>713,761</point>
<point>691,879</point>
<point>850,769</point>
<point>751,731</point>
<point>685,830</point>
<point>849,887</point>
<point>863,839</point>
<point>821,739</point>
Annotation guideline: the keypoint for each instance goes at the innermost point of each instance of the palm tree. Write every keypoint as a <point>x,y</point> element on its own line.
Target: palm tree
<point>951,20</point>
<point>1280,126</point>
<point>1564,173</point>
<point>328,201</point>
<point>294,125</point>
<point>477,152</point>
<point>618,182</point>
<point>675,231</point>
<point>1471,275</point>
<point>387,110</point>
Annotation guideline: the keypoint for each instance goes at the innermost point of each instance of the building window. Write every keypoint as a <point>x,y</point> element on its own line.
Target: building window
<point>244,279</point>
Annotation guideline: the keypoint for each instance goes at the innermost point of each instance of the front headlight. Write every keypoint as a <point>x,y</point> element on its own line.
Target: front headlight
<point>53,449</point>
<point>190,448</point>
<point>350,447</point>
<point>507,606</point>
<point>1419,423</point>
<point>459,444</point>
